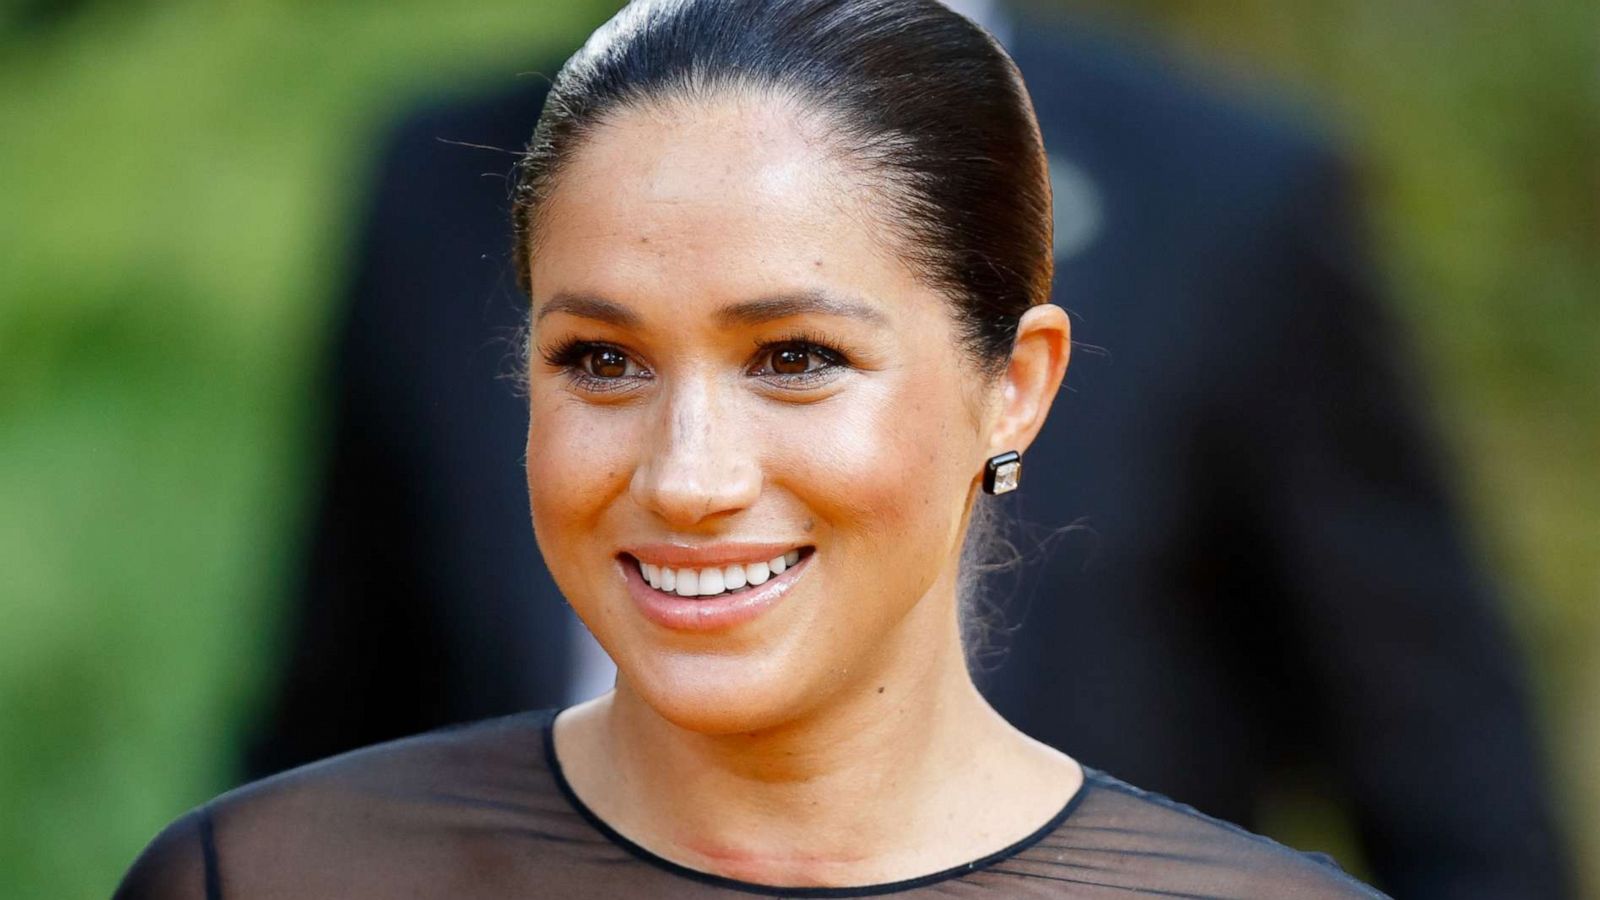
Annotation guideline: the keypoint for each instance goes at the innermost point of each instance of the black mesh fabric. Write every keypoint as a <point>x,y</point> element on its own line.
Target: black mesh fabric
<point>482,811</point>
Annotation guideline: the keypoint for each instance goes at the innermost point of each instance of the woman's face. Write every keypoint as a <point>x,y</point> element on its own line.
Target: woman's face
<point>730,365</point>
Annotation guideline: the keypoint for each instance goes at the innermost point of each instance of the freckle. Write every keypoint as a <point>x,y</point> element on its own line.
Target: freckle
<point>645,239</point>
<point>817,263</point>
<point>880,689</point>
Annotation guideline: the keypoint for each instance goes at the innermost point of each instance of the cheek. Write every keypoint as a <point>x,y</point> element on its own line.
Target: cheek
<point>578,459</point>
<point>891,478</point>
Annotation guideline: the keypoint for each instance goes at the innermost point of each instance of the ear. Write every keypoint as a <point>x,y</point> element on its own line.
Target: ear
<point>1031,380</point>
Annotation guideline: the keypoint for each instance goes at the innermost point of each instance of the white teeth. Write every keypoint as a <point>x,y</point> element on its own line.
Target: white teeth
<point>688,583</point>
<point>710,582</point>
<point>756,573</point>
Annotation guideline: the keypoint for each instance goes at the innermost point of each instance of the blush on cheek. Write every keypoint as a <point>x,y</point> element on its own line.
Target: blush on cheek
<point>890,469</point>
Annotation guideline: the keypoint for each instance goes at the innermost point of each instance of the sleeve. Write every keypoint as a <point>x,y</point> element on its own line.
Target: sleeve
<point>179,864</point>
<point>1411,667</point>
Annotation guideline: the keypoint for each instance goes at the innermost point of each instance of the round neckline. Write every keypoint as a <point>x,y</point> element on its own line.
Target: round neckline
<point>868,890</point>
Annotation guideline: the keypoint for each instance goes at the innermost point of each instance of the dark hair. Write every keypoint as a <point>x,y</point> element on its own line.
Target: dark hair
<point>913,95</point>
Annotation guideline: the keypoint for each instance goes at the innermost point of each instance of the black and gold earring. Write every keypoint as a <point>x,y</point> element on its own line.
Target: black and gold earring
<point>1002,473</point>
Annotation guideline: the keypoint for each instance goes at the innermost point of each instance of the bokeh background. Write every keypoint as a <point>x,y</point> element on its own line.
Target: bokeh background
<point>179,182</point>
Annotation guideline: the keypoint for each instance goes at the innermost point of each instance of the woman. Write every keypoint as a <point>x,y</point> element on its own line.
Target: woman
<point>789,265</point>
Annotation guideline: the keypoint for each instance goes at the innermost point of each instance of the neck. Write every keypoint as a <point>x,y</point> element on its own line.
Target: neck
<point>862,789</point>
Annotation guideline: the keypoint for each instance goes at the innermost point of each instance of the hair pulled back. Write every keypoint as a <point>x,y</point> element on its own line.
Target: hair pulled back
<point>915,97</point>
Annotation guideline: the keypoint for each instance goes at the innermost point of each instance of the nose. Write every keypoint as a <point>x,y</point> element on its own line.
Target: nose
<point>700,463</point>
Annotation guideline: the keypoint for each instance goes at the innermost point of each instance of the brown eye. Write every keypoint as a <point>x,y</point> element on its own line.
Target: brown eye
<point>790,360</point>
<point>799,364</point>
<point>608,362</point>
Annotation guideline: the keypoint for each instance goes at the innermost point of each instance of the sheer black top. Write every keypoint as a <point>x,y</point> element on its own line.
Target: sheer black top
<point>482,810</point>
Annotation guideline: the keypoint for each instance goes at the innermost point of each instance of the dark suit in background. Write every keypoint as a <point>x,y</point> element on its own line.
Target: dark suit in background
<point>1270,580</point>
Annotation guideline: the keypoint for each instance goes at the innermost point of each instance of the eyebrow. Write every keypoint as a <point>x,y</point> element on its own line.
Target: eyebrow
<point>746,312</point>
<point>818,302</point>
<point>585,306</point>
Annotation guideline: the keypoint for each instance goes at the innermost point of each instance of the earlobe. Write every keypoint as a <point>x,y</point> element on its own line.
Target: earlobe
<point>1033,377</point>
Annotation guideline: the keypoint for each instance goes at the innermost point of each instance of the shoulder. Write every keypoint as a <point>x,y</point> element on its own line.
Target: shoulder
<point>397,803</point>
<point>1131,839</point>
<point>176,865</point>
<point>459,758</point>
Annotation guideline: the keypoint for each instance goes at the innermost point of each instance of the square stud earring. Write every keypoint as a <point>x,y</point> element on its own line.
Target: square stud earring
<point>1003,472</point>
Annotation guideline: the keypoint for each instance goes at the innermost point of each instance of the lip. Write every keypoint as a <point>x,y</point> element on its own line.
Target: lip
<point>682,556</point>
<point>718,612</point>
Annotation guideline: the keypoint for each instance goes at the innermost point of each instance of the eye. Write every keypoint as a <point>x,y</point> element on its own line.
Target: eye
<point>791,360</point>
<point>796,362</point>
<point>595,366</point>
<point>606,362</point>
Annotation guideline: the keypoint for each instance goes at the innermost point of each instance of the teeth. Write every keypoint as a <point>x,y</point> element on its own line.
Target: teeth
<point>688,583</point>
<point>756,573</point>
<point>708,582</point>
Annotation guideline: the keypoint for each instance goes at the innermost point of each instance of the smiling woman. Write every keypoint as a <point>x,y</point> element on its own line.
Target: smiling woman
<point>788,264</point>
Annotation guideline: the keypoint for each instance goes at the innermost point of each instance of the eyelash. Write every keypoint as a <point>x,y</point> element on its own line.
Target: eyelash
<point>832,358</point>
<point>568,356</point>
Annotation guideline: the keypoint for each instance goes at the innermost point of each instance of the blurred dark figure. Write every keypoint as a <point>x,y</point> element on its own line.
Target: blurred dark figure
<point>1272,578</point>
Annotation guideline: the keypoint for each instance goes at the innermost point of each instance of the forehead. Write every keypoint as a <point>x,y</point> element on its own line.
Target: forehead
<point>720,199</point>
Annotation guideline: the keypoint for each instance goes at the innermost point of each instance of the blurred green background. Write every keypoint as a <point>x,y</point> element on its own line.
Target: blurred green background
<point>178,185</point>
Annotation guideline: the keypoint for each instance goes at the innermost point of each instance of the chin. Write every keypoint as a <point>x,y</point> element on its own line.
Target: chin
<point>715,695</point>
